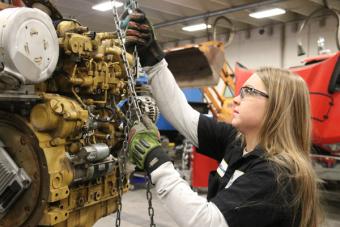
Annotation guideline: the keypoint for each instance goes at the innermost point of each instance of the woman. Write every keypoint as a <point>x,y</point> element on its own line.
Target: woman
<point>265,177</point>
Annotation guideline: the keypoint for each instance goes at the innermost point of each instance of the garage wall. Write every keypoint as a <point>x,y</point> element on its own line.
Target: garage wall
<point>276,45</point>
<point>252,49</point>
<point>321,27</point>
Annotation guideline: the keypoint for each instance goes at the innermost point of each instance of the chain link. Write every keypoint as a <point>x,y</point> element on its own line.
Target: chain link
<point>131,104</point>
<point>151,211</point>
<point>127,69</point>
<point>131,94</point>
<point>121,173</point>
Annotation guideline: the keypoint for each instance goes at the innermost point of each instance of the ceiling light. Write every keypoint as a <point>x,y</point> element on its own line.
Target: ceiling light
<point>268,13</point>
<point>106,6</point>
<point>196,27</point>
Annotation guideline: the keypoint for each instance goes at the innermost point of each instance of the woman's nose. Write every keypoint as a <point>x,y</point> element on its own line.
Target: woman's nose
<point>236,100</point>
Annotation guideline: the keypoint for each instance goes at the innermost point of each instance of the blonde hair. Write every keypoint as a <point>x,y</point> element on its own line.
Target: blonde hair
<point>285,135</point>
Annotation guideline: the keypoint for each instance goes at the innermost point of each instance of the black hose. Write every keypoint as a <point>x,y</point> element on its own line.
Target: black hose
<point>231,30</point>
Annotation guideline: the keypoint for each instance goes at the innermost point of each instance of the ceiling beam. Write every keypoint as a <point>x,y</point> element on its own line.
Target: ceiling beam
<point>333,4</point>
<point>221,2</point>
<point>173,34</point>
<point>288,16</point>
<point>178,31</point>
<point>190,4</point>
<point>304,7</point>
<point>165,7</point>
<point>156,14</point>
<point>243,16</point>
<point>218,12</point>
<point>223,24</point>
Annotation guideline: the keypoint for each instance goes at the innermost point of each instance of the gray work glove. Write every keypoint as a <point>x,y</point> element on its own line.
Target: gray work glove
<point>139,32</point>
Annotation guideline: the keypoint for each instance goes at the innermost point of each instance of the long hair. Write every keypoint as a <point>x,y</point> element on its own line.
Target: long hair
<point>285,135</point>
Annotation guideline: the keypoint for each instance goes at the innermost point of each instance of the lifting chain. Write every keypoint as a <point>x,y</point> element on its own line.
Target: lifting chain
<point>132,106</point>
<point>151,211</point>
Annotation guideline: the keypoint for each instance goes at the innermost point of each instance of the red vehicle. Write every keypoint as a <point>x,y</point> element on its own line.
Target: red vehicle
<point>322,75</point>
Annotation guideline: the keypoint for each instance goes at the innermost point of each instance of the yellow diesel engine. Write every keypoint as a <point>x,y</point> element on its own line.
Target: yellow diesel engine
<point>60,127</point>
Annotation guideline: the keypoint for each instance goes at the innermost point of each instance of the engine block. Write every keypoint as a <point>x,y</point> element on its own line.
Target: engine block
<point>63,129</point>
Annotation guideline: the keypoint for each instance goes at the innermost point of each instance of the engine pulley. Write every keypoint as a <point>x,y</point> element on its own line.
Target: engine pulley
<point>29,47</point>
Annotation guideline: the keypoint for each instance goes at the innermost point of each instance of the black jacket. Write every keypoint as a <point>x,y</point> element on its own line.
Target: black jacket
<point>244,188</point>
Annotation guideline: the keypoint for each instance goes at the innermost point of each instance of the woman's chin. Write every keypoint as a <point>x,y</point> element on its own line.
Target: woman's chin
<point>234,122</point>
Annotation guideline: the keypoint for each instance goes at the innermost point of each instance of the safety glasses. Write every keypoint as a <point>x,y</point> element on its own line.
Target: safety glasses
<point>249,91</point>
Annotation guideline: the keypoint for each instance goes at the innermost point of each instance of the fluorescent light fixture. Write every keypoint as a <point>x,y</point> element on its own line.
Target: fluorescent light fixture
<point>106,6</point>
<point>196,27</point>
<point>268,13</point>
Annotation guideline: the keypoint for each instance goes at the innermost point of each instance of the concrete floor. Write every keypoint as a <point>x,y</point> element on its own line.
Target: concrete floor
<point>135,213</point>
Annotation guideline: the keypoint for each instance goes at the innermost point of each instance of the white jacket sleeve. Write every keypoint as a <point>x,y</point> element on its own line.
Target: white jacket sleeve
<point>172,102</point>
<point>186,207</point>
